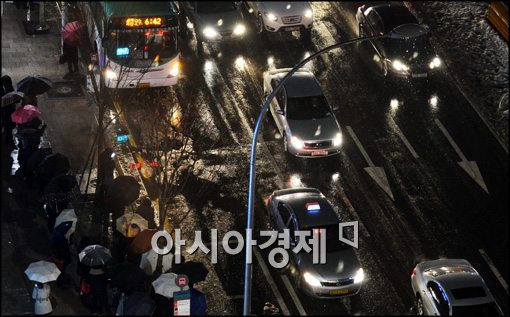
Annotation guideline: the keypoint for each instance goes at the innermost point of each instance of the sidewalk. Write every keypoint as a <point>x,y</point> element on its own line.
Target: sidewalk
<point>70,126</point>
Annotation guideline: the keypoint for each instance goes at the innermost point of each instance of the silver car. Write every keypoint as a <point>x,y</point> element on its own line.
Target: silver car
<point>308,209</point>
<point>303,115</point>
<point>451,287</point>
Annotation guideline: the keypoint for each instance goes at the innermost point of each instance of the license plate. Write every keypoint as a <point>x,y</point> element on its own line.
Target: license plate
<point>321,152</point>
<point>292,28</point>
<point>143,85</point>
<point>419,75</point>
<point>338,292</point>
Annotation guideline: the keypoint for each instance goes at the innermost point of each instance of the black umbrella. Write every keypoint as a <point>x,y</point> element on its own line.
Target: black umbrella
<point>196,271</point>
<point>139,304</point>
<point>11,98</point>
<point>123,190</point>
<point>59,189</point>
<point>94,255</point>
<point>60,231</point>
<point>34,85</point>
<point>53,165</point>
<point>128,276</point>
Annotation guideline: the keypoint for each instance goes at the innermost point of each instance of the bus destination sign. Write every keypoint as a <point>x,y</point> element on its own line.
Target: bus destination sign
<point>134,22</point>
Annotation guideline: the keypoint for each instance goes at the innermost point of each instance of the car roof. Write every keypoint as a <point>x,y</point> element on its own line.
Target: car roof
<point>297,201</point>
<point>301,84</point>
<point>452,281</point>
<point>393,15</point>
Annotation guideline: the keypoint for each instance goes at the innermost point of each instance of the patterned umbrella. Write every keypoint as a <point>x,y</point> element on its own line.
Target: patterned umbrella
<point>73,33</point>
<point>12,97</point>
<point>165,285</point>
<point>25,114</point>
<point>94,255</point>
<point>42,271</point>
<point>34,85</point>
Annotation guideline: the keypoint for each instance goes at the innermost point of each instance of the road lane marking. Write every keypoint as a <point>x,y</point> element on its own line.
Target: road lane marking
<point>377,173</point>
<point>271,282</point>
<point>470,167</point>
<point>494,269</point>
<point>293,294</point>
<point>404,139</point>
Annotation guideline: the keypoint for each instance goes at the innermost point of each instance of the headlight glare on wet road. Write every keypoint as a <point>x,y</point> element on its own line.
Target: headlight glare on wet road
<point>436,62</point>
<point>210,32</point>
<point>310,279</point>
<point>240,29</point>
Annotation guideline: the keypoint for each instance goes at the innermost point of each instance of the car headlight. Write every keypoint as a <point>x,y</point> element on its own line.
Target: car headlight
<point>239,29</point>
<point>174,71</point>
<point>271,16</point>
<point>296,143</point>
<point>436,62</point>
<point>312,280</point>
<point>337,141</point>
<point>360,275</point>
<point>210,32</point>
<point>110,74</point>
<point>399,66</point>
<point>308,13</point>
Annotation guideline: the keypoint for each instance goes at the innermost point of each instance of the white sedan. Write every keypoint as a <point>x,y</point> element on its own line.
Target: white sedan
<point>277,16</point>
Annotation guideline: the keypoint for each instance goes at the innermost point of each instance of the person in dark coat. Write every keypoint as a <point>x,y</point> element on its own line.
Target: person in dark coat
<point>62,255</point>
<point>29,140</point>
<point>71,57</point>
<point>98,288</point>
<point>35,159</point>
<point>147,212</point>
<point>53,209</point>
<point>164,305</point>
<point>7,123</point>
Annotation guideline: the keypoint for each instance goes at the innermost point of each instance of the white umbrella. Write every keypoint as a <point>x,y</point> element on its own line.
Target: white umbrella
<point>165,285</point>
<point>124,221</point>
<point>42,271</point>
<point>149,261</point>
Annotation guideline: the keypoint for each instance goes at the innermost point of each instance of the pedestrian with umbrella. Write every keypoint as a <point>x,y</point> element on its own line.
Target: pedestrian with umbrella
<point>53,165</point>
<point>96,256</point>
<point>147,211</point>
<point>9,100</point>
<point>126,225</point>
<point>42,272</point>
<point>70,55</point>
<point>34,85</point>
<point>123,191</point>
<point>60,252</point>
<point>163,289</point>
<point>35,159</point>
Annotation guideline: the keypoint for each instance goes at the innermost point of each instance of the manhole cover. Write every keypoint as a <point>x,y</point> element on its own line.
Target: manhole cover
<point>65,89</point>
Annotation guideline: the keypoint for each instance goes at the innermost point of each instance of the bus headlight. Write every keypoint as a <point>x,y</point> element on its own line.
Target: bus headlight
<point>174,71</point>
<point>210,32</point>
<point>337,141</point>
<point>312,280</point>
<point>399,66</point>
<point>296,143</point>
<point>239,29</point>
<point>360,276</point>
<point>436,62</point>
<point>110,74</point>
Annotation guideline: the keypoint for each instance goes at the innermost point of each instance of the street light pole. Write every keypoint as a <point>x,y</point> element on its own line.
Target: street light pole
<point>397,33</point>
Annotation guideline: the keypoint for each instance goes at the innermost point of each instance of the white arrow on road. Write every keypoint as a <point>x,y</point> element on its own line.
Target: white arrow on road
<point>377,173</point>
<point>470,167</point>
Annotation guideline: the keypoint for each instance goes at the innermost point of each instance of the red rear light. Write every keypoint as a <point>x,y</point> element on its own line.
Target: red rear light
<point>414,272</point>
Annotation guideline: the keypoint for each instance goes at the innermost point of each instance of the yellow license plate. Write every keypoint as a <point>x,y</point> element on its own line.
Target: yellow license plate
<point>338,292</point>
<point>143,85</point>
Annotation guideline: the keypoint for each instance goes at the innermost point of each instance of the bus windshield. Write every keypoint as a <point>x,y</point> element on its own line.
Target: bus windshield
<point>142,48</point>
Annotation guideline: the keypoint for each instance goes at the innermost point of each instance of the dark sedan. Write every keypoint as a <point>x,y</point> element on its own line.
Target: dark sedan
<point>411,58</point>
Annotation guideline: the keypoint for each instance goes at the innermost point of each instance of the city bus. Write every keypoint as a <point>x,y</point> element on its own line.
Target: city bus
<point>134,43</point>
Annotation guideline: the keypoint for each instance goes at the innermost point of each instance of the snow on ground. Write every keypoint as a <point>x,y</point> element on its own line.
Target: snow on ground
<point>461,32</point>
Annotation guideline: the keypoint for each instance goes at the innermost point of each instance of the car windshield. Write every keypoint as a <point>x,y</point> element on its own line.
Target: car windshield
<point>215,6</point>
<point>417,49</point>
<point>488,309</point>
<point>468,292</point>
<point>142,49</point>
<point>307,108</point>
<point>333,242</point>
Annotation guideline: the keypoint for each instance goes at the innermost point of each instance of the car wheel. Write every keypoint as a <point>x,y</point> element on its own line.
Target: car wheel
<point>260,25</point>
<point>419,305</point>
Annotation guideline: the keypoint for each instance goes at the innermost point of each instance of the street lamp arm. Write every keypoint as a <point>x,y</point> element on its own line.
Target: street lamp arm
<point>251,188</point>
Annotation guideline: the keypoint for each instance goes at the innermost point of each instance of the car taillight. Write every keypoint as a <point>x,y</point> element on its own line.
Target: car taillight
<point>414,272</point>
